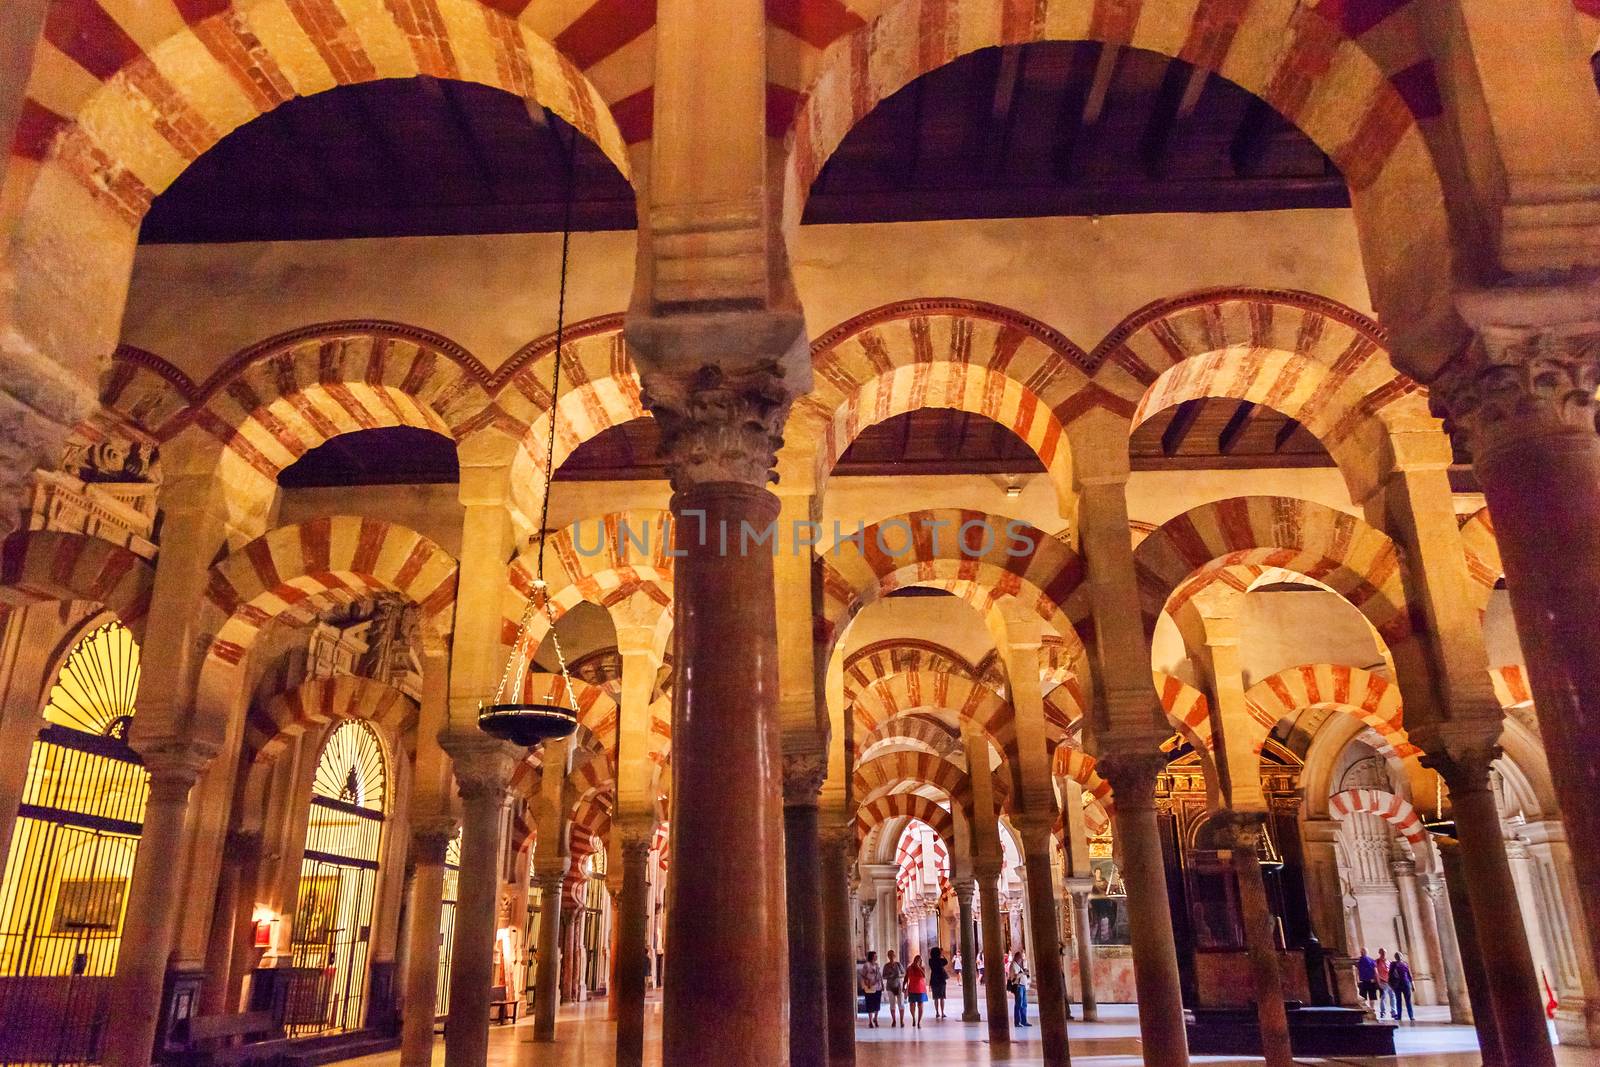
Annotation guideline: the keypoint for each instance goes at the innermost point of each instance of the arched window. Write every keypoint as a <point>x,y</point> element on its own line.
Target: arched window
<point>65,888</point>
<point>332,930</point>
<point>447,921</point>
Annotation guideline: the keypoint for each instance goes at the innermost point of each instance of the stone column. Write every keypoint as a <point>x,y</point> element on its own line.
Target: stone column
<point>1513,984</point>
<point>839,962</point>
<point>1473,970</point>
<point>969,953</point>
<point>1155,953</point>
<point>1085,944</point>
<point>429,839</point>
<point>994,957</point>
<point>1424,938</point>
<point>1046,963</point>
<point>718,387</point>
<point>153,901</point>
<point>1521,399</point>
<point>241,856</point>
<point>1450,962</point>
<point>629,965</point>
<point>547,985</point>
<point>808,1000</point>
<point>1271,1017</point>
<point>483,768</point>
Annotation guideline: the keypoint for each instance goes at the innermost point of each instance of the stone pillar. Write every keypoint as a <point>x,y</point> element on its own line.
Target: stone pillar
<point>1424,938</point>
<point>720,385</point>
<point>1085,944</point>
<point>547,985</point>
<point>429,839</point>
<point>153,901</point>
<point>1513,984</point>
<point>969,953</point>
<point>1473,969</point>
<point>483,768</point>
<point>1450,962</point>
<point>1051,993</point>
<point>241,852</point>
<point>808,999</point>
<point>994,957</point>
<point>1155,953</point>
<point>1271,1017</point>
<point>1521,399</point>
<point>629,965</point>
<point>839,962</point>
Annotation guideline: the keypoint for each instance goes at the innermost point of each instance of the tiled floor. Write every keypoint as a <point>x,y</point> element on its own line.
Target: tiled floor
<point>586,1039</point>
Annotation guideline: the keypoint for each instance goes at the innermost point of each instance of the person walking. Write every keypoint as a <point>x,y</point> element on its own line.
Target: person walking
<point>1382,966</point>
<point>1400,985</point>
<point>869,978</point>
<point>917,989</point>
<point>1367,979</point>
<point>894,988</point>
<point>938,977</point>
<point>1017,978</point>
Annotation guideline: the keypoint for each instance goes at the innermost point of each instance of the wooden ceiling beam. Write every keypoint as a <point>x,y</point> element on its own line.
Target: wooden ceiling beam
<point>460,129</point>
<point>1182,421</point>
<point>1181,88</point>
<point>1238,423</point>
<point>1284,434</point>
<point>1253,137</point>
<point>1002,107</point>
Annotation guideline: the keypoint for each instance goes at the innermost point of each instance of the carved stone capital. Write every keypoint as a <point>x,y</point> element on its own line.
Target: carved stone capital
<point>483,766</point>
<point>803,775</point>
<point>1242,829</point>
<point>1132,776</point>
<point>1512,383</point>
<point>174,765</point>
<point>1464,768</point>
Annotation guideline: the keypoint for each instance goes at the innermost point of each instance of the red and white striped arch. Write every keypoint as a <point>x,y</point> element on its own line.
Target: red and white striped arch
<point>882,658</point>
<point>44,565</point>
<point>272,726</point>
<point>889,772</point>
<point>1483,556</point>
<point>125,94</point>
<point>1511,685</point>
<point>948,548</point>
<point>937,353</point>
<point>886,809</point>
<point>602,560</point>
<point>1386,806</point>
<point>1361,694</point>
<point>1353,77</point>
<point>1257,534</point>
<point>1187,709</point>
<point>940,694</point>
<point>1314,360</point>
<point>597,711</point>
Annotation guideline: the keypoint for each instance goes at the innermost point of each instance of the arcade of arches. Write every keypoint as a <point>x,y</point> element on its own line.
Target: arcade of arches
<point>1110,478</point>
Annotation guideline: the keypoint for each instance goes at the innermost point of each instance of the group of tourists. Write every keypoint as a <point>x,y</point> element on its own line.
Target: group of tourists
<point>1384,984</point>
<point>908,989</point>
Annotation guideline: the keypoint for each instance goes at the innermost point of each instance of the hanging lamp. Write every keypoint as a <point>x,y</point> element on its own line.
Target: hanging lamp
<point>512,716</point>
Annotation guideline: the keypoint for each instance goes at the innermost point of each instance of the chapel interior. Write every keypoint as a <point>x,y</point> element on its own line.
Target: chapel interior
<point>540,533</point>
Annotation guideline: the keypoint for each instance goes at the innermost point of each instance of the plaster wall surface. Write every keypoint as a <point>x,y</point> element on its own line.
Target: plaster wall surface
<point>195,305</point>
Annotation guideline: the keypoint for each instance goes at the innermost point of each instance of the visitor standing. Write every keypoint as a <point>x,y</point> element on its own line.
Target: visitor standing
<point>1382,966</point>
<point>869,978</point>
<point>1366,979</point>
<point>1400,984</point>
<point>938,977</point>
<point>894,987</point>
<point>917,989</point>
<point>1017,978</point>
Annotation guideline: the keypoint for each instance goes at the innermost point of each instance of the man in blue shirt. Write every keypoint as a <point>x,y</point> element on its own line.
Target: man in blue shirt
<point>1367,978</point>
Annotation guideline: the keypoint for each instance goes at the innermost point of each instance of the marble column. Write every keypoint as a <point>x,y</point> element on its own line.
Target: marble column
<point>429,839</point>
<point>1521,400</point>
<point>1083,938</point>
<point>1513,987</point>
<point>969,952</point>
<point>727,914</point>
<point>547,984</point>
<point>629,965</point>
<point>1051,994</point>
<point>1473,969</point>
<point>994,957</point>
<point>483,768</point>
<point>1271,1017</point>
<point>839,960</point>
<point>1424,939</point>
<point>808,997</point>
<point>153,901</point>
<point>1450,962</point>
<point>1155,953</point>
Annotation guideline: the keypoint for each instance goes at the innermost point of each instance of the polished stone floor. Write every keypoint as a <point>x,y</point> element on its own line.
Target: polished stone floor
<point>586,1039</point>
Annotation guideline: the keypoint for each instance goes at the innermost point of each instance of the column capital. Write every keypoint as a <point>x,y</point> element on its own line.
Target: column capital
<point>720,384</point>
<point>1132,776</point>
<point>483,765</point>
<point>1512,382</point>
<point>803,775</point>
<point>430,838</point>
<point>174,764</point>
<point>1243,829</point>
<point>1464,767</point>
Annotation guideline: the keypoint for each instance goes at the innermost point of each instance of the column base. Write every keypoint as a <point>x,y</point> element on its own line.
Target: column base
<point>971,1017</point>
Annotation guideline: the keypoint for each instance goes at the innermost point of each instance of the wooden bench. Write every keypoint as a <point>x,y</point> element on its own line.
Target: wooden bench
<point>503,1007</point>
<point>247,1038</point>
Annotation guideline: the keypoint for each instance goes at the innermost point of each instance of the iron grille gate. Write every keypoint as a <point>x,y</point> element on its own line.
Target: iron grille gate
<point>333,920</point>
<point>447,923</point>
<point>64,893</point>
